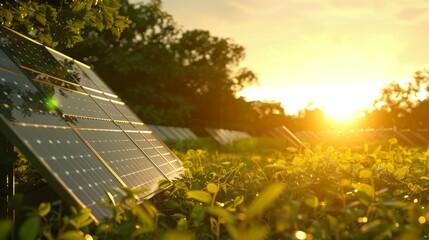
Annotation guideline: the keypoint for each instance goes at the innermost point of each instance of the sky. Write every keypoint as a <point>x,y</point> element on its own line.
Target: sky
<point>335,54</point>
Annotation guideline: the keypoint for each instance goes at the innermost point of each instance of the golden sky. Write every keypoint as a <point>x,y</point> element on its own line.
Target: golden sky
<point>321,51</point>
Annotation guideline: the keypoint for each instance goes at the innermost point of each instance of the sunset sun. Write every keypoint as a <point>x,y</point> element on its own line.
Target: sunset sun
<point>340,103</point>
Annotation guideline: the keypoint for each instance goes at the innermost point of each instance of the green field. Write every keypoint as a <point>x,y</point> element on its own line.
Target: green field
<point>260,189</point>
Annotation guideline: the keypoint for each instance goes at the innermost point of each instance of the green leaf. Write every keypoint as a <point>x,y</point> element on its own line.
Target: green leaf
<point>266,199</point>
<point>220,212</point>
<point>201,196</point>
<point>238,200</point>
<point>365,173</point>
<point>187,164</point>
<point>72,235</point>
<point>41,18</point>
<point>365,188</point>
<point>312,201</point>
<point>393,141</point>
<point>5,227</point>
<point>212,188</point>
<point>44,209</point>
<point>345,182</point>
<point>197,213</point>
<point>83,215</point>
<point>145,219</point>
<point>182,225</point>
<point>30,229</point>
<point>401,173</point>
<point>164,183</point>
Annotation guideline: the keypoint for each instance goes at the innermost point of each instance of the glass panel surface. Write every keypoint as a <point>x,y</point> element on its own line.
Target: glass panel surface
<point>31,55</point>
<point>96,80</point>
<point>125,158</point>
<point>72,163</point>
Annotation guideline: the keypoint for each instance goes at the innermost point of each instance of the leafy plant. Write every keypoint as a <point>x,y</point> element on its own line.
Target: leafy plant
<point>322,193</point>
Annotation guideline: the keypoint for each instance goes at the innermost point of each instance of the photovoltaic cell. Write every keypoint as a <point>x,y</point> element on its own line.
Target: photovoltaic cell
<point>96,81</point>
<point>171,159</point>
<point>127,113</point>
<point>31,56</point>
<point>124,157</point>
<point>69,159</point>
<point>74,70</point>
<point>83,139</point>
<point>7,64</point>
<point>142,127</point>
<point>72,103</point>
<point>111,109</point>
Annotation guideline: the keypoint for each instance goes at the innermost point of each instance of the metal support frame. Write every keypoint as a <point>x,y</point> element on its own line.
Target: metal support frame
<point>7,178</point>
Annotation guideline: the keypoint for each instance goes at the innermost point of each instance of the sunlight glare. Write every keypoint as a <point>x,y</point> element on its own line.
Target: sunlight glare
<point>340,103</point>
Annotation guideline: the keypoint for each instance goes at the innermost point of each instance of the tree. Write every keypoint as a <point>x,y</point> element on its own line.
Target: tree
<point>270,115</point>
<point>211,75</point>
<point>400,104</point>
<point>62,22</point>
<point>312,118</point>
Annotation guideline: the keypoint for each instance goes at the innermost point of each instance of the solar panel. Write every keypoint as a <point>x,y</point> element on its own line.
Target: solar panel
<point>72,127</point>
<point>190,134</point>
<point>226,136</point>
<point>158,132</point>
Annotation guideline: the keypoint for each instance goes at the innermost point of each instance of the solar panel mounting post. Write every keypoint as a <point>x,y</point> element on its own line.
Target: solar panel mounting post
<point>7,178</point>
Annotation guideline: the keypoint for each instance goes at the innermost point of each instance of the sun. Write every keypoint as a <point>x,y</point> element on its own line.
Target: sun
<point>340,112</point>
<point>341,103</point>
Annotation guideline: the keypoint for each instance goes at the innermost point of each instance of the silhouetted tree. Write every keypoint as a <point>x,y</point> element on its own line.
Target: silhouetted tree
<point>312,119</point>
<point>400,104</point>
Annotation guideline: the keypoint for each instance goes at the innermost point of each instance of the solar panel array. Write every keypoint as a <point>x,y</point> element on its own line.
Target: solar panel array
<point>355,136</point>
<point>226,136</point>
<point>284,133</point>
<point>173,133</point>
<point>74,129</point>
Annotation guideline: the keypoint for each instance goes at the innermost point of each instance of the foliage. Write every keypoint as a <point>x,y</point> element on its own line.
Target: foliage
<point>63,22</point>
<point>373,193</point>
<point>401,104</point>
<point>170,76</point>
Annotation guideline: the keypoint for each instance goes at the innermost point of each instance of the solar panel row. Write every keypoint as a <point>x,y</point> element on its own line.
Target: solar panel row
<point>226,136</point>
<point>359,136</point>
<point>172,133</point>
<point>73,128</point>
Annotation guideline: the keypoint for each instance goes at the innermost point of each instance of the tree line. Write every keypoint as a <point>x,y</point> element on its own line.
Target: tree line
<point>172,76</point>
